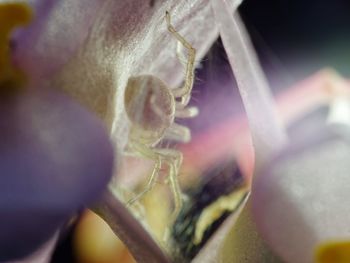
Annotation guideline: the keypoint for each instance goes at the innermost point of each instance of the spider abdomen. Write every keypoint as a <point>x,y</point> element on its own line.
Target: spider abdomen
<point>149,105</point>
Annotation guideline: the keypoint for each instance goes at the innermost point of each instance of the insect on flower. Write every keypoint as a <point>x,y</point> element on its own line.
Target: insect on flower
<point>151,107</point>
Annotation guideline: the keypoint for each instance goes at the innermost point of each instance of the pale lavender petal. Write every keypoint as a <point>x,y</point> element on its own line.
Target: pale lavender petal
<point>302,198</point>
<point>59,28</point>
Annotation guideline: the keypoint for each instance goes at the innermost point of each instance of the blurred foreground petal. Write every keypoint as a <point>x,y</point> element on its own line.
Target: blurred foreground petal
<point>43,254</point>
<point>302,199</point>
<point>55,158</point>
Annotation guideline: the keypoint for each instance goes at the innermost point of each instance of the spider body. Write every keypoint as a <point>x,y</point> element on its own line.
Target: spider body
<point>151,107</point>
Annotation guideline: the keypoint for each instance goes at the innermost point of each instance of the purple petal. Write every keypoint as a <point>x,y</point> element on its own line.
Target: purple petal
<point>43,254</point>
<point>55,158</point>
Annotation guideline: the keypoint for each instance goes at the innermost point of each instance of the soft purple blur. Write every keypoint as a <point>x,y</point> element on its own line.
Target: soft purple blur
<point>56,158</point>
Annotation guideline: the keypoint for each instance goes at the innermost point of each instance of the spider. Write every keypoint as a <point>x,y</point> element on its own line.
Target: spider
<point>151,107</point>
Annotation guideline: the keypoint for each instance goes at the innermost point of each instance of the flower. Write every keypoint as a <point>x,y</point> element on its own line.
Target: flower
<point>59,155</point>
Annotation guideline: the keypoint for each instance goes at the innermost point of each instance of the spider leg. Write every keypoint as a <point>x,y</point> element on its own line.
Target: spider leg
<point>151,183</point>
<point>178,133</point>
<point>174,185</point>
<point>184,93</point>
<point>124,194</point>
<point>144,151</point>
<point>188,112</point>
<point>174,160</point>
<point>180,55</point>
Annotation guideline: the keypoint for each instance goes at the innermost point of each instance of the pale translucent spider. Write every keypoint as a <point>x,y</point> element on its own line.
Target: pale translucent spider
<point>151,107</point>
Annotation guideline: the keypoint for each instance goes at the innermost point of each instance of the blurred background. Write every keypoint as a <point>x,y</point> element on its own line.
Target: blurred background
<point>296,38</point>
<point>293,39</point>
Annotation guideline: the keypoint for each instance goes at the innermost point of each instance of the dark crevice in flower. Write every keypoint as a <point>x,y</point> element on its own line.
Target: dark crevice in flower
<point>223,180</point>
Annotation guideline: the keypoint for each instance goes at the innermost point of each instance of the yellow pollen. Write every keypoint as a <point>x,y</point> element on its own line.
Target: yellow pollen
<point>12,15</point>
<point>333,252</point>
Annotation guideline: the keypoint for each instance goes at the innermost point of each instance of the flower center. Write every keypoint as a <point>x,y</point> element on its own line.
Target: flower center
<point>12,15</point>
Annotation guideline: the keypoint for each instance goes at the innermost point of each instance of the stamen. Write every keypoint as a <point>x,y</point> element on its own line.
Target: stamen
<point>12,15</point>
<point>333,252</point>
